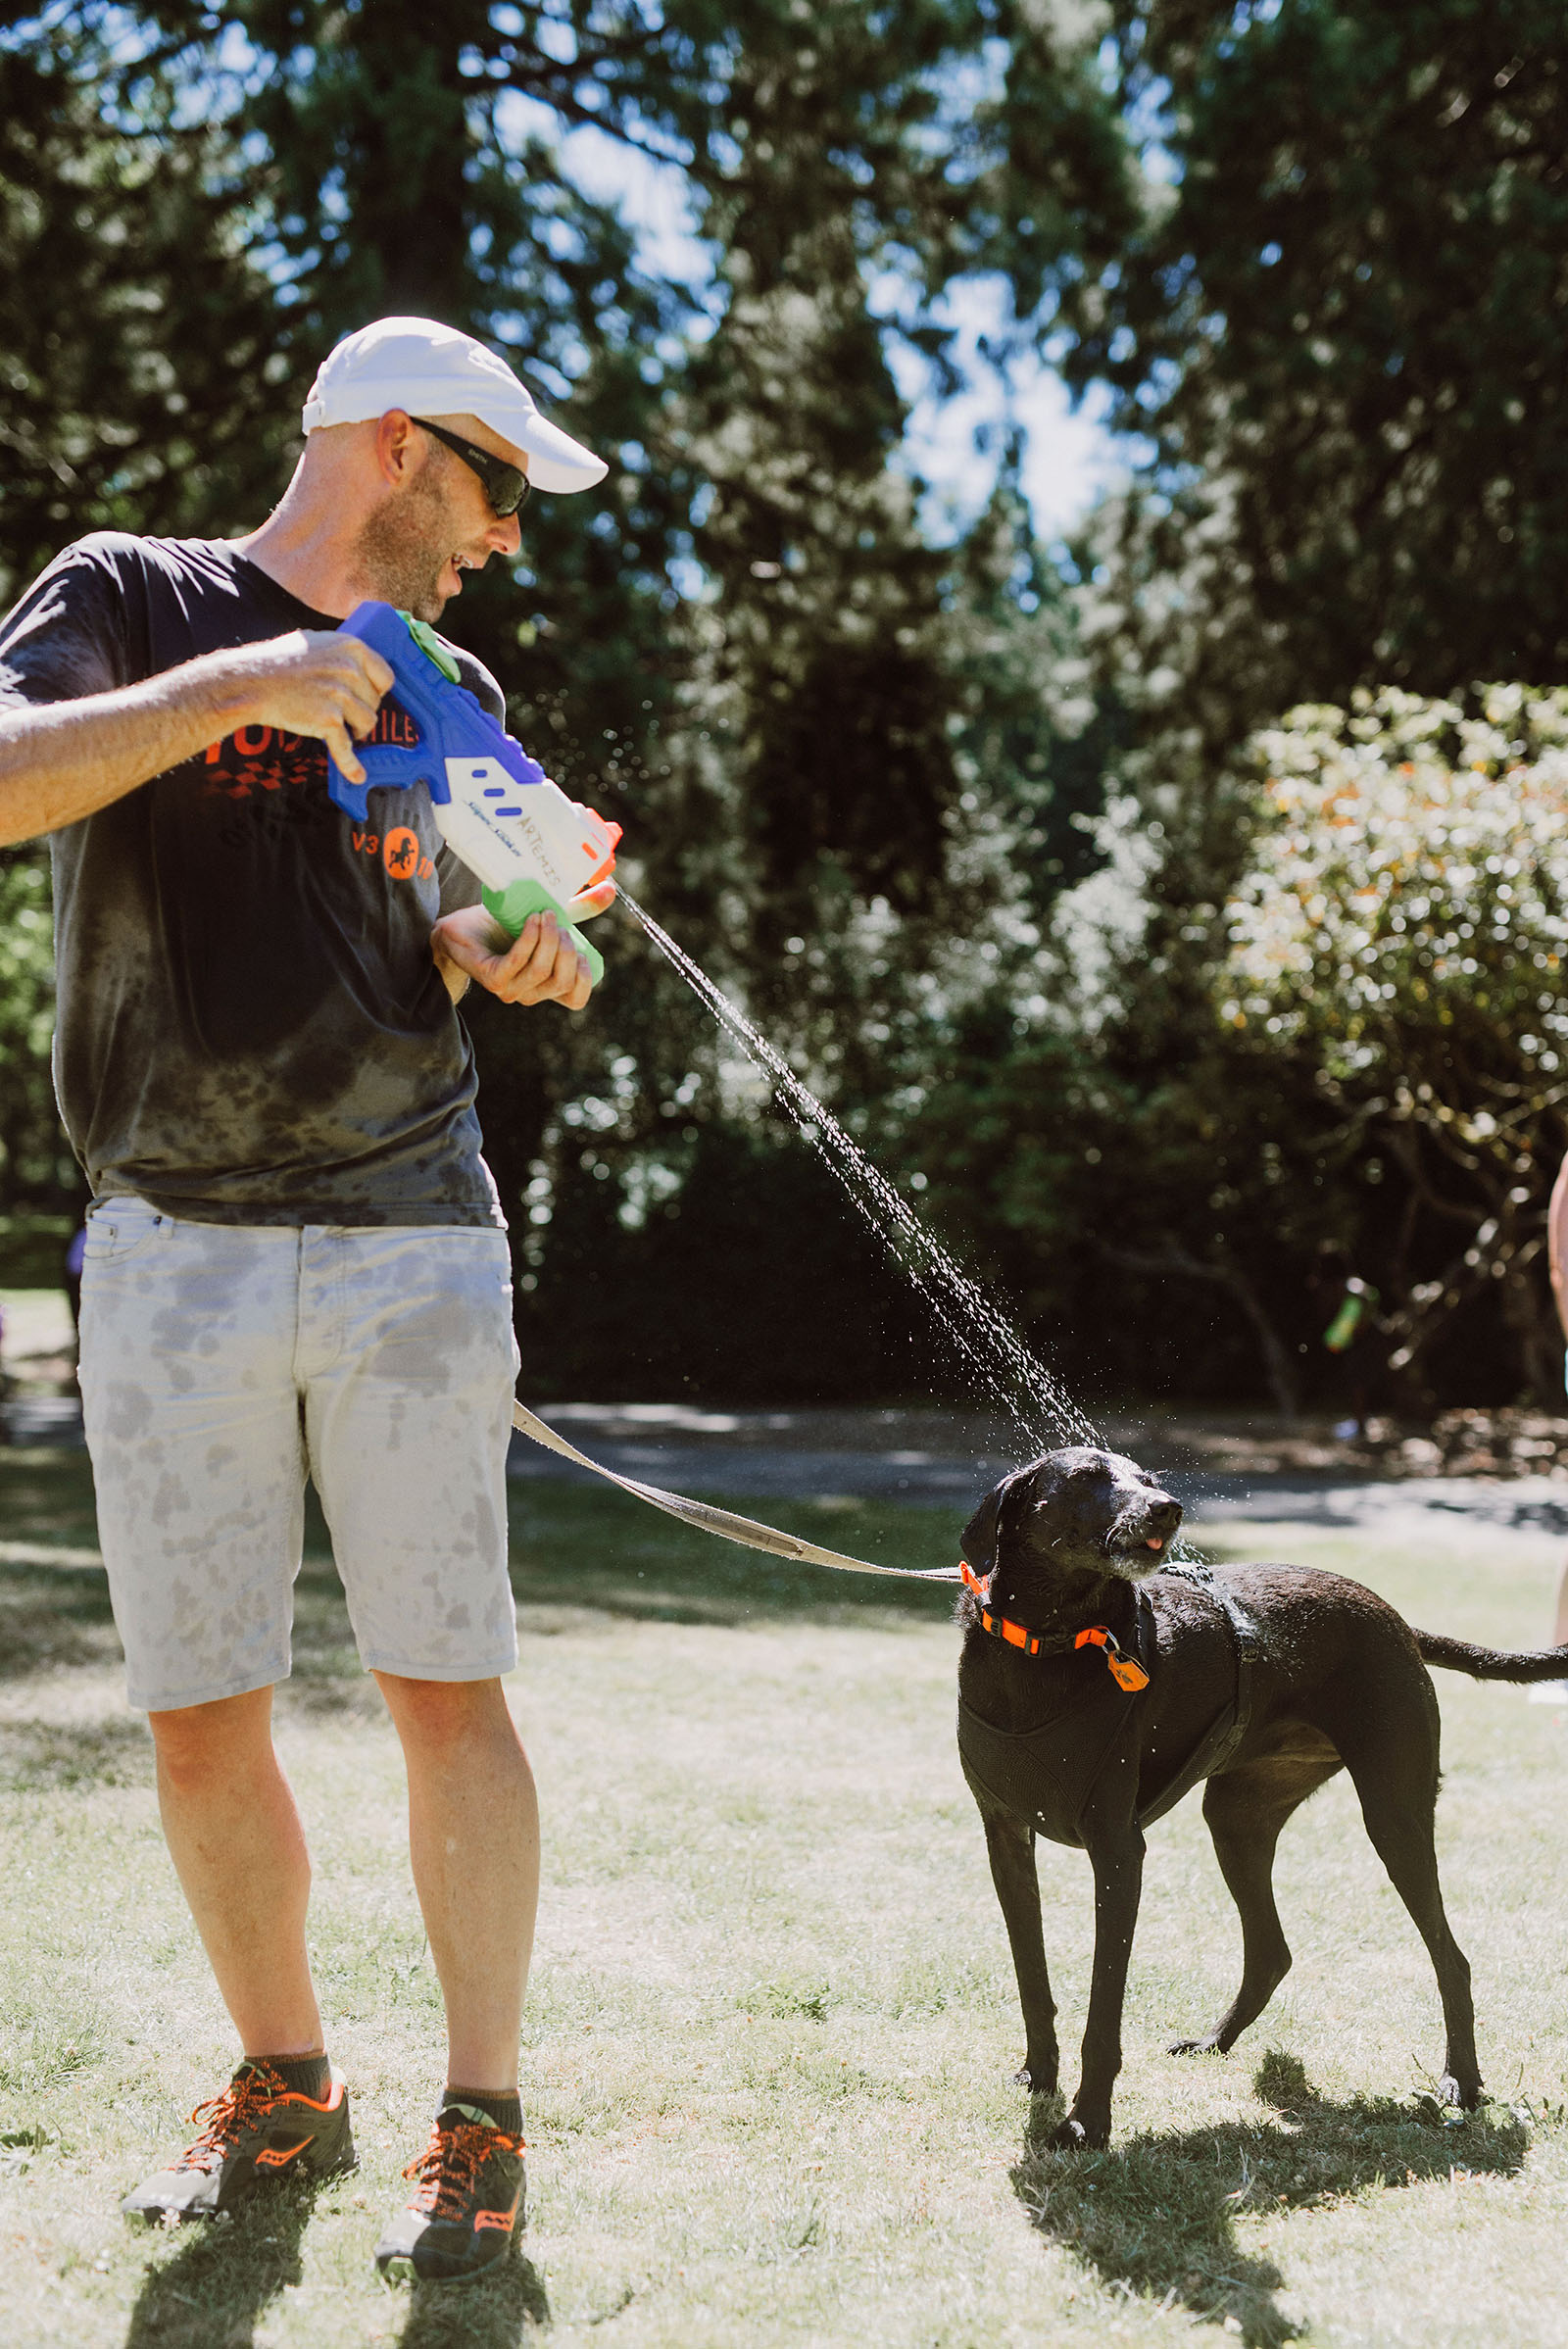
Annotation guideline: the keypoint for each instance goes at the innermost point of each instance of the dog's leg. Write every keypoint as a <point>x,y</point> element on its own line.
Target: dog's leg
<point>1246,1810</point>
<point>1010,1848</point>
<point>1400,1820</point>
<point>1117,1859</point>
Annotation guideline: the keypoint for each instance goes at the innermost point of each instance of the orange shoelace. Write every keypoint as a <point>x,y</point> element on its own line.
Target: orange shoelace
<point>241,2103</point>
<point>449,2165</point>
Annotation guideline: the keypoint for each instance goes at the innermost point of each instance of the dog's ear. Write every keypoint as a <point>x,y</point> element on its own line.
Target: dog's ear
<point>978,1540</point>
<point>982,1536</point>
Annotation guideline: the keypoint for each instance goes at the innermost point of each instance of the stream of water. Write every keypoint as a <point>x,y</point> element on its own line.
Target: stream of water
<point>991,1356</point>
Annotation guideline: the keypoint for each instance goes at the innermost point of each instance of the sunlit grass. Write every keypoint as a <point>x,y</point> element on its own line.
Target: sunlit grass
<point>774,2018</point>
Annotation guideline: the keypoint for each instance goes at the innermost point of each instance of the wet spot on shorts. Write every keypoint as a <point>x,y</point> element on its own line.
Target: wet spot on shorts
<point>421,1346</point>
<point>127,1412</point>
<point>170,1500</point>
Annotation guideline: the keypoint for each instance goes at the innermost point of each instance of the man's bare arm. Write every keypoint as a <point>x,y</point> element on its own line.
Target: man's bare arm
<point>62,760</point>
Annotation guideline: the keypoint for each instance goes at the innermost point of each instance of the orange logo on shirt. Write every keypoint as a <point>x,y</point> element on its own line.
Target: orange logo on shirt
<point>400,853</point>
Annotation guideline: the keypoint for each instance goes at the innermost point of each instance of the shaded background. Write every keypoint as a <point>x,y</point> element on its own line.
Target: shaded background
<point>958,806</point>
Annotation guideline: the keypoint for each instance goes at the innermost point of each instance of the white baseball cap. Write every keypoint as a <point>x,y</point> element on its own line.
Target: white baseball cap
<point>430,369</point>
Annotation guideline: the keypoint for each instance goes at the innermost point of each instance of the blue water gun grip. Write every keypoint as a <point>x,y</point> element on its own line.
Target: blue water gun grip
<point>450,722</point>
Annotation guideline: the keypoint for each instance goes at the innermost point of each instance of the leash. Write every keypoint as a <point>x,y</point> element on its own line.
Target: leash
<point>722,1522</point>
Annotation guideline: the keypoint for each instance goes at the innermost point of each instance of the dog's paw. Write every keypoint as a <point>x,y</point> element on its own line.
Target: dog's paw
<point>1074,2135</point>
<point>1458,2095</point>
<point>1208,2046</point>
<point>1040,2079</point>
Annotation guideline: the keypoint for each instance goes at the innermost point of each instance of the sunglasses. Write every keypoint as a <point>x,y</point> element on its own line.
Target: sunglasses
<point>506,485</point>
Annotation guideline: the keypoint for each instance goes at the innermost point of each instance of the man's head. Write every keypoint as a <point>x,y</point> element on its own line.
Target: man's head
<point>419,434</point>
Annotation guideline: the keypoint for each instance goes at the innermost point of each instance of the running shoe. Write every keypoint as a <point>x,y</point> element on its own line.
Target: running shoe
<point>257,2129</point>
<point>467,2203</point>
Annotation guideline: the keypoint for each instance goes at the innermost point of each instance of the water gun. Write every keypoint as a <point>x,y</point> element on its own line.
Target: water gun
<point>530,847</point>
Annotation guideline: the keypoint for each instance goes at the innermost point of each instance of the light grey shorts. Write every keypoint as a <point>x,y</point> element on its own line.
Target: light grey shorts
<point>219,1365</point>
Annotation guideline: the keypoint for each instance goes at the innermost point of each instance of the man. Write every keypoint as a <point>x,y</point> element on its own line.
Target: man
<point>296,1261</point>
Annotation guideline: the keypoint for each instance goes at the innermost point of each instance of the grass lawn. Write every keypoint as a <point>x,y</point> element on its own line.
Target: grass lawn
<point>773,2021</point>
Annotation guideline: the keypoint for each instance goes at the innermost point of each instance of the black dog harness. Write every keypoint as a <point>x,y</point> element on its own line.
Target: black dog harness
<point>1047,1775</point>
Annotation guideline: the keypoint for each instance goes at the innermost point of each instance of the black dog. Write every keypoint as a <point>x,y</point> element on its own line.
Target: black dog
<point>1093,1690</point>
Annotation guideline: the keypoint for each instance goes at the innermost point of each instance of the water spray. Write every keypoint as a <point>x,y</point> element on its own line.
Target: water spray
<point>532,851</point>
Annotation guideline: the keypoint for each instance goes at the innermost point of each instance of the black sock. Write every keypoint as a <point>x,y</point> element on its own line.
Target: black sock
<point>503,2106</point>
<point>307,2075</point>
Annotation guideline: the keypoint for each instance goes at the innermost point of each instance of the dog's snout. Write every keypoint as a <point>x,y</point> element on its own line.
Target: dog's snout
<point>1160,1520</point>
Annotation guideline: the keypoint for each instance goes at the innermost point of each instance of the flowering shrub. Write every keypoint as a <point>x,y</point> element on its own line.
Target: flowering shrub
<point>1404,919</point>
<point>1417,871</point>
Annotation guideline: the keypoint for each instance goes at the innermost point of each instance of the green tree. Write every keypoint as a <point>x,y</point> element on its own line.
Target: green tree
<point>742,647</point>
<point>141,380</point>
<point>1341,329</point>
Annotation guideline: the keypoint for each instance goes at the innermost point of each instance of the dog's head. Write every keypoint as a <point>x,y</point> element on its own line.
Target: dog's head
<point>1074,1515</point>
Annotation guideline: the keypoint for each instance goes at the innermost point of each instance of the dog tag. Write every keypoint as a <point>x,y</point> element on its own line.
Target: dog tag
<point>1123,1669</point>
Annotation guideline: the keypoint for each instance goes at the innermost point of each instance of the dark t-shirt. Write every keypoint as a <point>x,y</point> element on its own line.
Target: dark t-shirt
<point>251,1028</point>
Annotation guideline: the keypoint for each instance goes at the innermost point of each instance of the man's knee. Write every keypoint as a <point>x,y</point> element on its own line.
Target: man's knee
<point>435,1715</point>
<point>195,1742</point>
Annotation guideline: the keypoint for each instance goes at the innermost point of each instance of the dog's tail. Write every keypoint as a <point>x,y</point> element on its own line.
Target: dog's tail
<point>1492,1663</point>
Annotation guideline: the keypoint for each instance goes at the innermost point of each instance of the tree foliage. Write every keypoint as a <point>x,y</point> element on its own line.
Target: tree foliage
<point>1401,926</point>
<point>142,375</point>
<point>1341,329</point>
<point>743,648</point>
<point>32,1148</point>
<point>1338,332</point>
<point>1315,251</point>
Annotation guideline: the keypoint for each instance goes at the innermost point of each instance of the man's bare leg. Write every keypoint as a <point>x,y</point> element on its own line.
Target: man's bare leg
<point>1555,1692</point>
<point>238,1849</point>
<point>473,1839</point>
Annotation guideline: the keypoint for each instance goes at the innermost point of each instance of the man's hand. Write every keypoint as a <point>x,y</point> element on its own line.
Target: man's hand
<point>538,967</point>
<point>313,681</point>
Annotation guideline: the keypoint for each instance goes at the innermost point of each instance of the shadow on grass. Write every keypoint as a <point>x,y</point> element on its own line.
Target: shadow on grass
<point>1157,2218</point>
<point>46,1494</point>
<point>491,2313</point>
<point>577,1548</point>
<point>53,1617</point>
<point>228,2273</point>
<point>38,1756</point>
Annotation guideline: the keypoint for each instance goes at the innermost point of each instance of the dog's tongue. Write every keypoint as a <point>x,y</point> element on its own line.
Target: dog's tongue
<point>1155,1542</point>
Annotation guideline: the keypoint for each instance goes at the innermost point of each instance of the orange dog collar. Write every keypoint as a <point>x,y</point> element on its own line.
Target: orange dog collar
<point>1124,1670</point>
